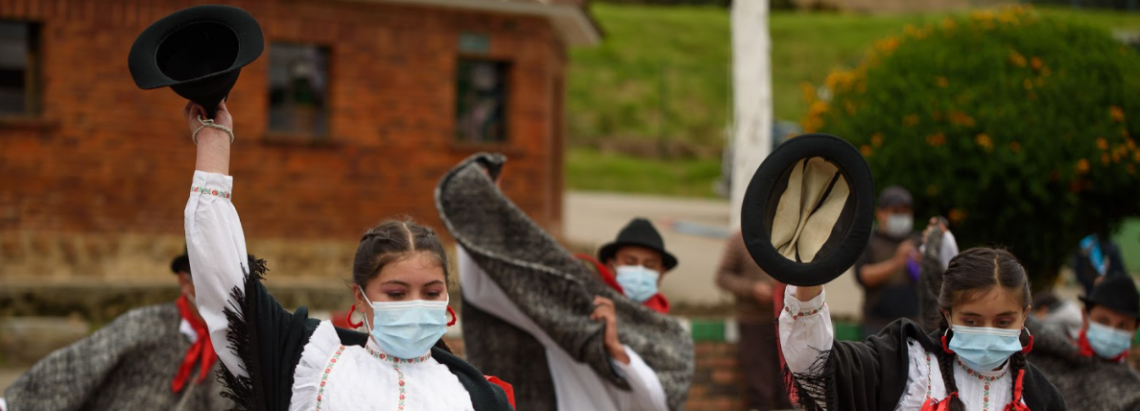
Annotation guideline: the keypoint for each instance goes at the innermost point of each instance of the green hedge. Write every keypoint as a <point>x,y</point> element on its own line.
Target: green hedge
<point>1018,127</point>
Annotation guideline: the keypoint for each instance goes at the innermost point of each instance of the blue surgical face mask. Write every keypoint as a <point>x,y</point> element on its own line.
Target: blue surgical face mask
<point>407,329</point>
<point>637,282</point>
<point>1108,342</point>
<point>985,348</point>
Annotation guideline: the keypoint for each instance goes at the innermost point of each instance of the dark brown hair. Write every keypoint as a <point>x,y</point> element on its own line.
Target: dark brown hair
<point>972,274</point>
<point>391,241</point>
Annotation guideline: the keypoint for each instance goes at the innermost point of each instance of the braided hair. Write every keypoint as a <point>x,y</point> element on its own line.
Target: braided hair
<point>973,274</point>
<point>395,240</point>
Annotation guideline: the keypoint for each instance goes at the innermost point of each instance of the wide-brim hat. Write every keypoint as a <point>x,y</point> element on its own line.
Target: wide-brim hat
<point>639,232</point>
<point>1116,292</point>
<point>198,52</point>
<point>807,213</point>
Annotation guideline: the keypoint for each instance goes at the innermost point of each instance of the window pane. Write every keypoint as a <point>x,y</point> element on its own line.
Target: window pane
<point>298,88</point>
<point>14,54</point>
<point>481,101</point>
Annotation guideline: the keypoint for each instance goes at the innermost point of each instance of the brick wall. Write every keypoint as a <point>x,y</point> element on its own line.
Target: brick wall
<point>105,171</point>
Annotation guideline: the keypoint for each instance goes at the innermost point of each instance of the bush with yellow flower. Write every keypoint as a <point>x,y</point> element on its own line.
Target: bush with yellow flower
<point>1018,127</point>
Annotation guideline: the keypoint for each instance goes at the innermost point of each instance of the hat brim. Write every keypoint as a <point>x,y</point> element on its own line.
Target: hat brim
<point>609,251</point>
<point>142,60</point>
<point>847,240</point>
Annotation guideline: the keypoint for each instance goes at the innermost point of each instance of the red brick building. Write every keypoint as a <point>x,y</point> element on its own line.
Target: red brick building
<point>351,115</point>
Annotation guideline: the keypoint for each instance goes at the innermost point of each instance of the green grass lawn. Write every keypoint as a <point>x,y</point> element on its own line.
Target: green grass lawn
<point>667,70</point>
<point>588,169</point>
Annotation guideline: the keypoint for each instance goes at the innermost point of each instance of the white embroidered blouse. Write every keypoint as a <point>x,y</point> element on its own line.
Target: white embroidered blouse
<point>329,376</point>
<point>806,331</point>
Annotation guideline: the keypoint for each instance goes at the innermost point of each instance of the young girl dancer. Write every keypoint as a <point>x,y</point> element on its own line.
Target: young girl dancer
<point>974,362</point>
<point>276,360</point>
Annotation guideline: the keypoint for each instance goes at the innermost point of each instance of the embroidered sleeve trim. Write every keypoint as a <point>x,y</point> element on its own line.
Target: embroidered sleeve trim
<point>802,314</point>
<point>325,375</point>
<point>210,191</point>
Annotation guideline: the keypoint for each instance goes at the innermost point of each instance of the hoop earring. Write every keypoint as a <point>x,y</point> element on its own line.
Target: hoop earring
<point>348,318</point>
<point>946,341</point>
<point>454,317</point>
<point>1028,347</point>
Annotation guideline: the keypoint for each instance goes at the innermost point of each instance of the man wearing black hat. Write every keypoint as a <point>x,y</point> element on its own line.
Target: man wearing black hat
<point>888,270</point>
<point>150,358</point>
<point>1089,367</point>
<point>635,262</point>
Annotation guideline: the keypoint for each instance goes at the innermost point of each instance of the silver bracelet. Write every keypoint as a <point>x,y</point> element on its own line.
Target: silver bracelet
<point>210,123</point>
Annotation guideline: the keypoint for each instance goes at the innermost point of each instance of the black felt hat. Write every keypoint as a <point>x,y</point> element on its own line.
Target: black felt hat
<point>806,215</point>
<point>639,232</point>
<point>198,52</point>
<point>181,264</point>
<point>1115,292</point>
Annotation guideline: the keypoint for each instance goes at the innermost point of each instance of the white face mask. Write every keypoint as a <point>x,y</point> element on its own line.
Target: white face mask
<point>899,225</point>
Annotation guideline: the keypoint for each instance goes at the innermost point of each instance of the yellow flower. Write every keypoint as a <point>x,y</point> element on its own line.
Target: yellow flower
<point>960,118</point>
<point>887,45</point>
<point>943,82</point>
<point>1082,166</point>
<point>984,141</point>
<point>1028,84</point>
<point>910,120</point>
<point>1036,63</point>
<point>1105,159</point>
<point>1016,58</point>
<point>1101,143</point>
<point>936,139</point>
<point>865,150</point>
<point>1015,147</point>
<point>1136,156</point>
<point>948,23</point>
<point>877,139</point>
<point>1116,112</point>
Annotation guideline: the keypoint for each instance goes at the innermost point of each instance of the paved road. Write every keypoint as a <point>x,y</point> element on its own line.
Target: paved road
<point>595,218</point>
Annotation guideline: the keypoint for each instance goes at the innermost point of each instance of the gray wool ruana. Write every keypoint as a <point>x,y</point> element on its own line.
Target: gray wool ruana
<point>552,287</point>
<point>126,365</point>
<point>1085,383</point>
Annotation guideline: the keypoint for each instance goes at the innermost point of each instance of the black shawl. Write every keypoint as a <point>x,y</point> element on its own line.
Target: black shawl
<point>271,345</point>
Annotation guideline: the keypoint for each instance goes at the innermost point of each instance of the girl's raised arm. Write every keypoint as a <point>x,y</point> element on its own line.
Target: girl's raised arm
<point>214,238</point>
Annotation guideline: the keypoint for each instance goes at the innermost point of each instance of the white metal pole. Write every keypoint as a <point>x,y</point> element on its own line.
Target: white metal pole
<point>752,95</point>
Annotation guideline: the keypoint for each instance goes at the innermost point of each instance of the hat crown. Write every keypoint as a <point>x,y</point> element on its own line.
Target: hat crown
<point>1117,292</point>
<point>641,231</point>
<point>197,49</point>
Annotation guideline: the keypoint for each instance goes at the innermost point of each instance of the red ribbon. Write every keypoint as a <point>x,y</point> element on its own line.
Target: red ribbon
<point>201,351</point>
<point>1016,405</point>
<point>507,388</point>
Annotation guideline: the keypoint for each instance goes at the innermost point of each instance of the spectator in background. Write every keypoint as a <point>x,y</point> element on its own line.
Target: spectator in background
<point>888,270</point>
<point>1056,312</point>
<point>754,291</point>
<point>1097,256</point>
